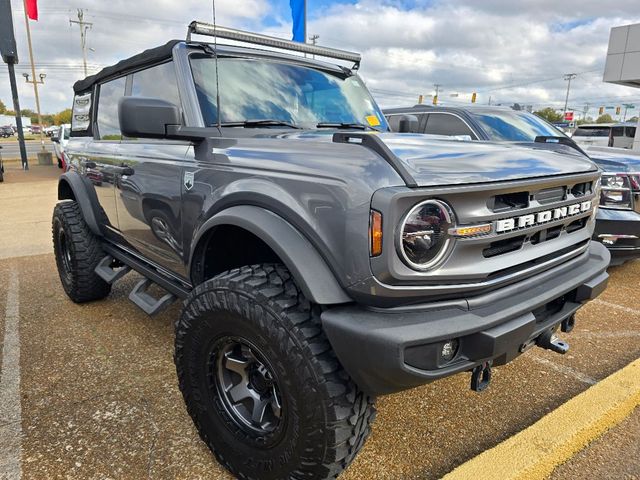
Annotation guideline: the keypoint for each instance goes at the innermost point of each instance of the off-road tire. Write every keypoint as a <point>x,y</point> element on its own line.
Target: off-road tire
<point>78,251</point>
<point>326,418</point>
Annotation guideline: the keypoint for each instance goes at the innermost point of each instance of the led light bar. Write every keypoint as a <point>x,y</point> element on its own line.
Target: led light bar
<point>210,30</point>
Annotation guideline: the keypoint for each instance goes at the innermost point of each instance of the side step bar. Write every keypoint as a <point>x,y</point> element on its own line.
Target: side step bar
<point>146,302</point>
<point>108,273</point>
<point>140,295</point>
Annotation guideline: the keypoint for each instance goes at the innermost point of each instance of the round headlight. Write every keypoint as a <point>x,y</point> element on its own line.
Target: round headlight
<point>424,234</point>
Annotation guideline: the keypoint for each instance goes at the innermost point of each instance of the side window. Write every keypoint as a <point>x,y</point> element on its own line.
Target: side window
<point>108,97</point>
<point>617,131</point>
<point>394,121</point>
<point>445,124</point>
<point>157,82</point>
<point>631,132</point>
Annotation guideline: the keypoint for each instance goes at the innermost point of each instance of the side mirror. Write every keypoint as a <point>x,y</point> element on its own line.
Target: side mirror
<point>143,117</point>
<point>408,124</point>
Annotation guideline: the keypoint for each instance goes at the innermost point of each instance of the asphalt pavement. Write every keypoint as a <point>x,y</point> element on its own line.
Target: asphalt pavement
<point>94,390</point>
<point>11,148</point>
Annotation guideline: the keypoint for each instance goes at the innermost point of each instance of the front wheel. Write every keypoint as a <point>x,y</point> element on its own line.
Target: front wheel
<point>261,382</point>
<point>78,251</point>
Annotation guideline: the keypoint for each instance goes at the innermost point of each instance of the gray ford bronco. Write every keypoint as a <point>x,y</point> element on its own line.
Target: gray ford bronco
<point>321,259</point>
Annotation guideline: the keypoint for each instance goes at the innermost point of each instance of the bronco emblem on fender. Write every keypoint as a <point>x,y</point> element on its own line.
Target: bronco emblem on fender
<point>188,180</point>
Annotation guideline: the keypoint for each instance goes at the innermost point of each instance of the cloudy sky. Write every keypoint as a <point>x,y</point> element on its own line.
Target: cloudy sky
<point>507,51</point>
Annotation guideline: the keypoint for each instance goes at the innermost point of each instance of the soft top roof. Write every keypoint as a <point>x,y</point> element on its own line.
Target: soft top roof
<point>152,55</point>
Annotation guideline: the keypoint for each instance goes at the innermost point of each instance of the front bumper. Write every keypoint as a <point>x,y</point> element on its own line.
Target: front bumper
<point>388,350</point>
<point>613,223</point>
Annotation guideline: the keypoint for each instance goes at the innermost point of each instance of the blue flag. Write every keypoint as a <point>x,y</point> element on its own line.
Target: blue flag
<point>297,14</point>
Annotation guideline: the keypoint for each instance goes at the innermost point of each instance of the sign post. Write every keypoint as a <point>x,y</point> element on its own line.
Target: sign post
<point>10,57</point>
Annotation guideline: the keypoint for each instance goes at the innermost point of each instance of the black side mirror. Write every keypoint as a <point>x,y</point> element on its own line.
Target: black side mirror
<point>143,117</point>
<point>408,124</point>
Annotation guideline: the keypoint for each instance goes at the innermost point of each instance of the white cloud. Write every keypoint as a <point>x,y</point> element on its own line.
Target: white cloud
<point>465,45</point>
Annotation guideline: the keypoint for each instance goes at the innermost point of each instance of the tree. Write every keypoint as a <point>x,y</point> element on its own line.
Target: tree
<point>606,118</point>
<point>549,114</point>
<point>62,117</point>
<point>632,119</point>
<point>3,108</point>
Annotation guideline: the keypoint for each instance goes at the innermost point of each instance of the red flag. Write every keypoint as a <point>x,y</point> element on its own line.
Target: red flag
<point>32,9</point>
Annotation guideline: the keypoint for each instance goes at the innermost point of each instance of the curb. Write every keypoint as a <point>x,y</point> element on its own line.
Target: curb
<point>536,451</point>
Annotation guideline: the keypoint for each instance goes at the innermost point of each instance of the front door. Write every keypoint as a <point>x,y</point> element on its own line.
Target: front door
<point>148,199</point>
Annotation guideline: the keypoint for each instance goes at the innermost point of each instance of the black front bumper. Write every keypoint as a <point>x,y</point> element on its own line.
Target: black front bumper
<point>611,223</point>
<point>388,350</point>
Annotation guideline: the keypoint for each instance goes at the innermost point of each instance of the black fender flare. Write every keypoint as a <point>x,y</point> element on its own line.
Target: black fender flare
<point>72,185</point>
<point>310,271</point>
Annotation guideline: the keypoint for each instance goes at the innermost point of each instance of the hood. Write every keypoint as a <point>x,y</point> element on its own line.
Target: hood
<point>619,162</point>
<point>434,161</point>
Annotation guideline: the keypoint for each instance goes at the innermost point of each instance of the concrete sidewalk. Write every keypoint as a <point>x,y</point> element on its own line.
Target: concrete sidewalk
<point>26,204</point>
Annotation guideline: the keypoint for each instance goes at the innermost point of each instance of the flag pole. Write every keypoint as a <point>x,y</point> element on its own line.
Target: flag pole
<point>33,73</point>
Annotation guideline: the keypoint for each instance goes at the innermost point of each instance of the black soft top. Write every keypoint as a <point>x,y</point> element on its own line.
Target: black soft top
<point>147,57</point>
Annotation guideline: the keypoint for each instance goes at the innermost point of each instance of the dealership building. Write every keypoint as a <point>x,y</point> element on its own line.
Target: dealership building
<point>623,62</point>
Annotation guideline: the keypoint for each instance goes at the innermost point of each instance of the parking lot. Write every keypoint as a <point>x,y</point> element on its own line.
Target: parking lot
<point>99,399</point>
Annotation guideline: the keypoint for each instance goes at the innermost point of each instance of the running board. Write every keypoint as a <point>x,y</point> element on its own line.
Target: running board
<point>149,304</point>
<point>109,274</point>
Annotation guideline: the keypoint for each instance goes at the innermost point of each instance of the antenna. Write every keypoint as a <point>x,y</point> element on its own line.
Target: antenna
<point>215,47</point>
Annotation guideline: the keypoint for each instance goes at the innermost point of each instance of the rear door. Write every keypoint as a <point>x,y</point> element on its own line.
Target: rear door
<point>97,161</point>
<point>149,181</point>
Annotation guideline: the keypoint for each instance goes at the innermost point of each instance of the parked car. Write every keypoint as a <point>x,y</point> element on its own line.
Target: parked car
<point>60,141</point>
<point>36,129</point>
<point>322,259</point>
<point>618,222</point>
<point>6,131</point>
<point>618,135</point>
<point>51,131</point>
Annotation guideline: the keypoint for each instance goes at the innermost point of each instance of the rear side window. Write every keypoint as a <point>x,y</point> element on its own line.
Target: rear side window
<point>108,97</point>
<point>592,132</point>
<point>445,124</point>
<point>157,82</point>
<point>618,131</point>
<point>631,132</point>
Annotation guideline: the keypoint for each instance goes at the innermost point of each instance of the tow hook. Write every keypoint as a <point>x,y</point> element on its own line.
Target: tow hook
<point>549,341</point>
<point>481,377</point>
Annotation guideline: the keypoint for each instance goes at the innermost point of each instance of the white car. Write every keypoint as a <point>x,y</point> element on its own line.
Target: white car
<point>596,134</point>
<point>60,142</point>
<point>605,135</point>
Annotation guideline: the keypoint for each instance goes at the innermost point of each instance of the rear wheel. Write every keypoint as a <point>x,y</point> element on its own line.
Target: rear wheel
<point>261,382</point>
<point>78,251</point>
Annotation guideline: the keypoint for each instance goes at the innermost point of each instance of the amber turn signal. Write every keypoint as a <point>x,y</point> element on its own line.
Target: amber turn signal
<point>375,233</point>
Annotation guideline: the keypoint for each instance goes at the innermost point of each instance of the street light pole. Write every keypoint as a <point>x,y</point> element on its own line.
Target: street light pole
<point>569,77</point>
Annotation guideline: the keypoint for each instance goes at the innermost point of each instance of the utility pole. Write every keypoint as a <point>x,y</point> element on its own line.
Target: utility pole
<point>585,110</point>
<point>569,77</point>
<point>44,157</point>
<point>84,26</point>
<point>314,39</point>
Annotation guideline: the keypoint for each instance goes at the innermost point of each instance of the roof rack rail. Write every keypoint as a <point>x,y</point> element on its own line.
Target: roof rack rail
<point>202,28</point>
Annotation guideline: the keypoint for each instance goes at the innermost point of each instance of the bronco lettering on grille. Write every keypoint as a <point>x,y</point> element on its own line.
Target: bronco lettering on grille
<point>545,216</point>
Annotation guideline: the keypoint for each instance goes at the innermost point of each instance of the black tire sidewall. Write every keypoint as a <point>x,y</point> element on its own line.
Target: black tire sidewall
<point>303,411</point>
<point>68,282</point>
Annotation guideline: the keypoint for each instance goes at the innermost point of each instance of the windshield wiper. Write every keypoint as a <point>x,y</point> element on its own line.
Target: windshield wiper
<point>359,126</point>
<point>265,122</point>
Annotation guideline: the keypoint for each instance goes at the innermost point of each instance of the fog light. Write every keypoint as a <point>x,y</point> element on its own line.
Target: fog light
<point>449,350</point>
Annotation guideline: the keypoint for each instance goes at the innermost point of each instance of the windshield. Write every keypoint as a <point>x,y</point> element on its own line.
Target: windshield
<point>514,126</point>
<point>266,90</point>
<point>592,132</point>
